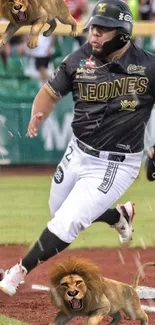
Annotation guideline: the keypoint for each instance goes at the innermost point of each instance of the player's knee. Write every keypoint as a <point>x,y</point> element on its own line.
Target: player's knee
<point>68,229</point>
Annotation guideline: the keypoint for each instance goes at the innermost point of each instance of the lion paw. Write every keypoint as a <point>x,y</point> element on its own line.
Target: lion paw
<point>47,33</point>
<point>73,33</point>
<point>32,43</point>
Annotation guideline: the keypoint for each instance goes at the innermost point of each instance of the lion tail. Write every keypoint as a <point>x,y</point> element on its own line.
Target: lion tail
<point>139,272</point>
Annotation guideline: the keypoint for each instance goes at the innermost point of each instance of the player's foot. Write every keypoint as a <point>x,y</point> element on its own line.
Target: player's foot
<point>124,225</point>
<point>12,278</point>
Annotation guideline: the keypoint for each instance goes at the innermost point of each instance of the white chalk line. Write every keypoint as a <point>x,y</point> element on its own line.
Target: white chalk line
<point>143,293</point>
<point>40,287</point>
<point>148,308</point>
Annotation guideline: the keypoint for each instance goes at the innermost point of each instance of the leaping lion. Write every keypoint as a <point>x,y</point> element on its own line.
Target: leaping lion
<point>35,13</point>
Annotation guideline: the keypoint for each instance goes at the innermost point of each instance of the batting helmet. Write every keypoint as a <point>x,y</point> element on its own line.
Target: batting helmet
<point>112,13</point>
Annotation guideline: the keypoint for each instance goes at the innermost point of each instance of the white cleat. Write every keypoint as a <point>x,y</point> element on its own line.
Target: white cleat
<point>12,278</point>
<point>124,225</point>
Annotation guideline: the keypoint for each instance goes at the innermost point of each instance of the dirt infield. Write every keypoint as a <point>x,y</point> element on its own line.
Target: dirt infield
<point>27,169</point>
<point>36,308</point>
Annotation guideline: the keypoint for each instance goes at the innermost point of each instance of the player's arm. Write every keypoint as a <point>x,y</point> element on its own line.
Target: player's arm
<point>43,104</point>
<point>47,98</point>
<point>150,164</point>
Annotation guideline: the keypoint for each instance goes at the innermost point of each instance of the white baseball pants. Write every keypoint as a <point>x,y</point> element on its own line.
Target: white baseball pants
<point>86,183</point>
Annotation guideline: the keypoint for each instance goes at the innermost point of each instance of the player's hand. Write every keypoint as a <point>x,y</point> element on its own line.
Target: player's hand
<point>34,124</point>
<point>151,152</point>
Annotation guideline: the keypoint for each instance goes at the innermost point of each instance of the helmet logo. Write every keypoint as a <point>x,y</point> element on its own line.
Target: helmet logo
<point>102,7</point>
<point>125,17</point>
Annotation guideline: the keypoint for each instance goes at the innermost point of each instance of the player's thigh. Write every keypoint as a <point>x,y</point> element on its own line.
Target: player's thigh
<point>83,205</point>
<point>88,199</point>
<point>63,180</point>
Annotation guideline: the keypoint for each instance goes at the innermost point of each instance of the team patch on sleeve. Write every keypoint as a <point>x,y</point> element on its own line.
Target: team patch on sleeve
<point>108,177</point>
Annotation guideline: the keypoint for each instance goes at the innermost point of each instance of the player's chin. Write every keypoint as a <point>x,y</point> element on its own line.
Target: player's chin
<point>96,51</point>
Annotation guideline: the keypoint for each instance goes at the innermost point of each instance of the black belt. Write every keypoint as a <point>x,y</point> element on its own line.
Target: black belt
<point>96,153</point>
<point>87,150</point>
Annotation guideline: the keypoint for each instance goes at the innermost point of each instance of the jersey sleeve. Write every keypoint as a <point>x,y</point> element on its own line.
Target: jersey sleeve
<point>61,83</point>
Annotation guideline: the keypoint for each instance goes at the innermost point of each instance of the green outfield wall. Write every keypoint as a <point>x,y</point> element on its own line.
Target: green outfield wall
<point>48,147</point>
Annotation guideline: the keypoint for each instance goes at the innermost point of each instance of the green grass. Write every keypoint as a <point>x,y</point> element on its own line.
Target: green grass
<point>24,208</point>
<point>10,321</point>
<point>24,213</point>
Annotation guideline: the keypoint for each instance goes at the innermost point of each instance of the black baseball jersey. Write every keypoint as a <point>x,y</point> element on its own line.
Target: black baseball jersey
<point>113,100</point>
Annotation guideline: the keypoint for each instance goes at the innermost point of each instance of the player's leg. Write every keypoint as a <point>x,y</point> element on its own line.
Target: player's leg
<point>59,192</point>
<point>112,216</point>
<point>86,202</point>
<point>64,179</point>
<point>120,218</point>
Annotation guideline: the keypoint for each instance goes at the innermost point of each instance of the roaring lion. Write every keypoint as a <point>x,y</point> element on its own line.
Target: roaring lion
<point>78,289</point>
<point>35,13</point>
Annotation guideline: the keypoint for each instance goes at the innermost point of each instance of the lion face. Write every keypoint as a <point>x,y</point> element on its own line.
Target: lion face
<point>73,290</point>
<point>19,8</point>
<point>76,286</point>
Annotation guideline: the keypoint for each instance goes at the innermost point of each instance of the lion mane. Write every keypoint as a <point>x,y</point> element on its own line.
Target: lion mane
<point>78,289</point>
<point>7,14</point>
<point>86,270</point>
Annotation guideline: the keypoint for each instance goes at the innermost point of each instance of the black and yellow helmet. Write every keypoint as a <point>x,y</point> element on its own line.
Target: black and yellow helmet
<point>113,14</point>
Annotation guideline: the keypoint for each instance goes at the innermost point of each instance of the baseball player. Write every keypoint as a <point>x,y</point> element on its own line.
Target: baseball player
<point>112,82</point>
<point>150,164</point>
